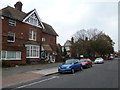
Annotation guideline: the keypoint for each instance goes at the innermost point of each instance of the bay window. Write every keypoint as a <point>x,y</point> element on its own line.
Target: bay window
<point>10,55</point>
<point>33,51</point>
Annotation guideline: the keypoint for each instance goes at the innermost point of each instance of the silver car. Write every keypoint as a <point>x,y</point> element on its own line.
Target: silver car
<point>99,60</point>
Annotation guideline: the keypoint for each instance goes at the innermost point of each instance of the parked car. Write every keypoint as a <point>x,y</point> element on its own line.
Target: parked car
<point>99,60</point>
<point>86,63</point>
<point>110,57</point>
<point>70,65</point>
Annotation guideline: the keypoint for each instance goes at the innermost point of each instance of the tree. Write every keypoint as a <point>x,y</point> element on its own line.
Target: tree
<point>104,45</point>
<point>91,41</point>
<point>93,33</point>
<point>64,54</point>
<point>90,34</point>
<point>84,40</point>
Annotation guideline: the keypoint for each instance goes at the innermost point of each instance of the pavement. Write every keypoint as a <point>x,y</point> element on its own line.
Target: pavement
<point>11,76</point>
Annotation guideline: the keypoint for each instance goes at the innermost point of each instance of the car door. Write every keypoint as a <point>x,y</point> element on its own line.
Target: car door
<point>89,62</point>
<point>77,65</point>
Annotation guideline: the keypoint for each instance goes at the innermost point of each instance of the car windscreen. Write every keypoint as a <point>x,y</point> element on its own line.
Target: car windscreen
<point>98,59</point>
<point>83,60</point>
<point>69,62</point>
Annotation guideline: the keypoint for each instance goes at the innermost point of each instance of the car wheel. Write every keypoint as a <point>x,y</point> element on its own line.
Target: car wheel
<point>72,71</point>
<point>60,72</point>
<point>81,68</point>
<point>91,65</point>
<point>87,66</point>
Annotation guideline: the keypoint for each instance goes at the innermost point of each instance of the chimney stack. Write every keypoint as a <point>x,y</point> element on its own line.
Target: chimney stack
<point>72,40</point>
<point>18,6</point>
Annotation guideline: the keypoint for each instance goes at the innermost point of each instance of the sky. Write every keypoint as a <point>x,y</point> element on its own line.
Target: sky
<point>69,16</point>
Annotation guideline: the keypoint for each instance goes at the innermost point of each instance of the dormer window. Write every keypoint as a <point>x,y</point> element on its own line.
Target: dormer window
<point>12,22</point>
<point>32,35</point>
<point>11,37</point>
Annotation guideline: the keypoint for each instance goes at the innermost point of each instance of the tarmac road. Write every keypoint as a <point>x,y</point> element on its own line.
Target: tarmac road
<point>99,76</point>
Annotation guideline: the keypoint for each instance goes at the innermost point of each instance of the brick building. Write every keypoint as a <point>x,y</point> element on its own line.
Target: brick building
<point>49,47</point>
<point>23,35</point>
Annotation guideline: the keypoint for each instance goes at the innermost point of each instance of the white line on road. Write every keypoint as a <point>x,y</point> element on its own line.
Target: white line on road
<point>36,82</point>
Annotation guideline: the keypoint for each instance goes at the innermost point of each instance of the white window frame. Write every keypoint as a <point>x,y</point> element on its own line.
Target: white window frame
<point>67,44</point>
<point>33,51</point>
<point>13,37</point>
<point>33,32</point>
<point>43,39</point>
<point>17,53</point>
<point>12,22</point>
<point>0,55</point>
<point>67,48</point>
<point>33,20</point>
<point>34,12</point>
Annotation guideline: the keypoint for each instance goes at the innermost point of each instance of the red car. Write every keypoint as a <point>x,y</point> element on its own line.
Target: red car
<point>86,63</point>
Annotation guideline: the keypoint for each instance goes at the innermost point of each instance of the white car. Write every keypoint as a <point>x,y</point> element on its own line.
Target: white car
<point>99,60</point>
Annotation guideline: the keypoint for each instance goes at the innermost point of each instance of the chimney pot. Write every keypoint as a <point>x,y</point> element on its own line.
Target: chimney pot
<point>18,6</point>
<point>72,39</point>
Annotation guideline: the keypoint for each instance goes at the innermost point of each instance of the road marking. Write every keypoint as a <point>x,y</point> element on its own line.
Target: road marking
<point>36,82</point>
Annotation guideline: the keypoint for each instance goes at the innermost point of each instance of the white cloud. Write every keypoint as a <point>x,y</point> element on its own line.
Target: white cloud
<point>69,16</point>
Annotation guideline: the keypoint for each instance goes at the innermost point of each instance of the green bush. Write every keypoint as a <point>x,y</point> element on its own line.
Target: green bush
<point>6,63</point>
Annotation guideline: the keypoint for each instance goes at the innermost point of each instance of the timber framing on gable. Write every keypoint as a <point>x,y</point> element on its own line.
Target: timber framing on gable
<point>33,19</point>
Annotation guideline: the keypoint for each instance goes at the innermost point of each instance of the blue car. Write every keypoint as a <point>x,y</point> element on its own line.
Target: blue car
<point>70,65</point>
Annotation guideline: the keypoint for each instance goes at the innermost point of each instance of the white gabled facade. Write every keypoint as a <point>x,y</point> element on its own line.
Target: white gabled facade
<point>33,19</point>
<point>67,43</point>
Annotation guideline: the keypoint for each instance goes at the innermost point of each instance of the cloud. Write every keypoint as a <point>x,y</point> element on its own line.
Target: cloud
<point>69,16</point>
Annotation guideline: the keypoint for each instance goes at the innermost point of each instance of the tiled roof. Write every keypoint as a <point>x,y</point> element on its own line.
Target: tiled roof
<point>19,15</point>
<point>49,29</point>
<point>68,41</point>
<point>13,13</point>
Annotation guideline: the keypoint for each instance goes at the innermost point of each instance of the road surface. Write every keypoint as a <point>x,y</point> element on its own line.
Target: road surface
<point>99,76</point>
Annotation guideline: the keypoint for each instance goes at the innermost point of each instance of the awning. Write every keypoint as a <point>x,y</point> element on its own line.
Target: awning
<point>47,47</point>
